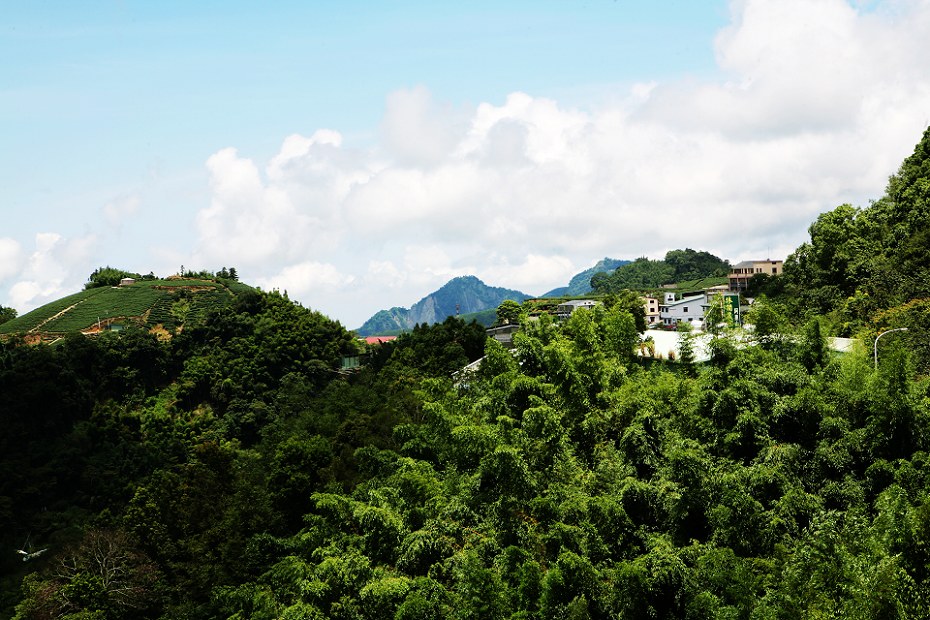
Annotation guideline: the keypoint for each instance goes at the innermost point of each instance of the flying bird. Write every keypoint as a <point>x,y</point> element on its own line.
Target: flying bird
<point>28,556</point>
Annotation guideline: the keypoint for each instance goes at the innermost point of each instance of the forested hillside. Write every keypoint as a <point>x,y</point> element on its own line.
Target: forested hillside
<point>867,269</point>
<point>234,471</point>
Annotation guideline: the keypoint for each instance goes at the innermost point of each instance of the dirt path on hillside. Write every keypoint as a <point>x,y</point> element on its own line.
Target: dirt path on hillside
<point>52,318</point>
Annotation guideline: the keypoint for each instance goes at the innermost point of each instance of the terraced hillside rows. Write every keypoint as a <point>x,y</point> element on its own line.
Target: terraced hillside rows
<point>166,303</point>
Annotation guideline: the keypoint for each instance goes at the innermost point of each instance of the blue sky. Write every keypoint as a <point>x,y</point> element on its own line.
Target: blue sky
<point>361,154</point>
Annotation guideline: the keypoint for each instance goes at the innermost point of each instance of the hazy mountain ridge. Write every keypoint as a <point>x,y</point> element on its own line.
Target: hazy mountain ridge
<point>461,295</point>
<point>580,284</point>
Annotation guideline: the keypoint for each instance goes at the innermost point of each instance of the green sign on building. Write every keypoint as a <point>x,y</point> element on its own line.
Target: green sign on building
<point>731,308</point>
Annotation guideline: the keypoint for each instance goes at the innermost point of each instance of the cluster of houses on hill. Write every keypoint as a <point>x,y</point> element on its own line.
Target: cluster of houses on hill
<point>667,312</point>
<point>672,309</point>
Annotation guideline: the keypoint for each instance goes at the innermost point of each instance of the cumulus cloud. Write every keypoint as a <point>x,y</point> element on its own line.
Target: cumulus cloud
<point>305,278</point>
<point>246,218</point>
<point>10,258</point>
<point>816,103</point>
<point>51,270</point>
<point>285,213</point>
<point>528,273</point>
<point>796,66</point>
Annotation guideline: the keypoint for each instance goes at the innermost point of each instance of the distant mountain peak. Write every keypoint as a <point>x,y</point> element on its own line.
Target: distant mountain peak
<point>460,295</point>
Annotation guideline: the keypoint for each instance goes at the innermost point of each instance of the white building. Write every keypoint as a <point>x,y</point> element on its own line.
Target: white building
<point>563,311</point>
<point>686,310</point>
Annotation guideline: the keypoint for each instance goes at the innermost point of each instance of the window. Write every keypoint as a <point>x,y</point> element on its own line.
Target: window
<point>685,309</point>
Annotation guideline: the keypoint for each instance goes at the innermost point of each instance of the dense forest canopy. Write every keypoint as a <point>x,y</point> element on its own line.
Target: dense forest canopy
<point>236,471</point>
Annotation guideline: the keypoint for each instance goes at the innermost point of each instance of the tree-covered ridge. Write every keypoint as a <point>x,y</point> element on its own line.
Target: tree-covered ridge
<point>89,420</point>
<point>644,273</point>
<point>867,269</point>
<point>569,481</point>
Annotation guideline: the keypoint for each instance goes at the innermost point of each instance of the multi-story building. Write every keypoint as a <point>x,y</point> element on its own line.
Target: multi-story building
<point>741,272</point>
<point>687,310</point>
<point>651,306</point>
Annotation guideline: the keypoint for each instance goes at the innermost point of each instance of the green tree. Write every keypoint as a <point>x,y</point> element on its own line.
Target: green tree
<point>108,276</point>
<point>686,346</point>
<point>689,264</point>
<point>621,333</point>
<point>7,314</point>
<point>631,302</point>
<point>716,319</point>
<point>814,350</point>
<point>508,313</point>
<point>767,322</point>
<point>297,471</point>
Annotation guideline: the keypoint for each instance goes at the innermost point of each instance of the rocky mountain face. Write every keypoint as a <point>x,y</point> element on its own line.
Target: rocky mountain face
<point>461,295</point>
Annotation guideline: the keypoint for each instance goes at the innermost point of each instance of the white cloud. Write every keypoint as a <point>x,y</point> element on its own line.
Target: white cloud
<point>527,275</point>
<point>245,219</point>
<point>816,104</point>
<point>10,258</point>
<point>24,292</point>
<point>296,147</point>
<point>306,278</point>
<point>384,273</point>
<point>51,271</point>
<point>425,263</point>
